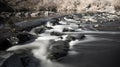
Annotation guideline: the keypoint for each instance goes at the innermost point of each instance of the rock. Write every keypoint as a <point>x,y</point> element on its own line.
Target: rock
<point>21,60</point>
<point>75,37</point>
<point>13,39</point>
<point>25,37</point>
<point>53,22</point>
<point>38,30</point>
<point>57,50</point>
<point>9,38</point>
<point>12,60</point>
<point>4,55</point>
<point>4,42</point>
<point>35,14</point>
<point>70,38</point>
<point>68,30</point>
<point>56,33</point>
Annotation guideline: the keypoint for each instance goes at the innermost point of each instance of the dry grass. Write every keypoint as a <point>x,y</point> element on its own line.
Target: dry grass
<point>116,4</point>
<point>66,5</point>
<point>22,5</point>
<point>80,5</point>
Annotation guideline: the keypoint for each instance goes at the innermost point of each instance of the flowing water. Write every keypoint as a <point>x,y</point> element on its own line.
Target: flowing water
<point>97,49</point>
<point>93,51</point>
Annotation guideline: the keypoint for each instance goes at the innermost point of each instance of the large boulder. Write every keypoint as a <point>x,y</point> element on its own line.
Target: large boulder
<point>4,43</point>
<point>9,38</point>
<point>25,37</point>
<point>58,49</point>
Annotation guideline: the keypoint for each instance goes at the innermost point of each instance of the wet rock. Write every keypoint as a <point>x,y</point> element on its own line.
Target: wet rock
<point>4,42</point>
<point>75,37</point>
<point>55,21</point>
<point>13,39</point>
<point>29,61</point>
<point>56,33</point>
<point>31,24</point>
<point>9,38</point>
<point>38,30</point>
<point>4,56</point>
<point>25,37</point>
<point>13,61</point>
<point>70,38</point>
<point>68,30</point>
<point>58,49</point>
<point>20,60</point>
<point>52,22</point>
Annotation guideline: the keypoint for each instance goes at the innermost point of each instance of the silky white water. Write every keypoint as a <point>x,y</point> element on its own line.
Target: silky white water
<point>39,50</point>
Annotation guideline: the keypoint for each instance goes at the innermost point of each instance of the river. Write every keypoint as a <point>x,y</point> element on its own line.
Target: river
<point>99,48</point>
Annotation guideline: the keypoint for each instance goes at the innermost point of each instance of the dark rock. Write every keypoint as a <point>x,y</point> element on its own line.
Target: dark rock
<point>4,42</point>
<point>39,30</point>
<point>4,6</point>
<point>75,37</point>
<point>31,24</point>
<point>56,33</point>
<point>29,61</point>
<point>13,61</point>
<point>4,55</point>
<point>68,30</point>
<point>48,27</point>
<point>21,60</point>
<point>8,38</point>
<point>69,17</point>
<point>53,22</point>
<point>13,39</point>
<point>25,37</point>
<point>58,49</point>
<point>70,38</point>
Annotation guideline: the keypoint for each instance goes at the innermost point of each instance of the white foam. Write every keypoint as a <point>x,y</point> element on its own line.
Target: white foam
<point>63,22</point>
